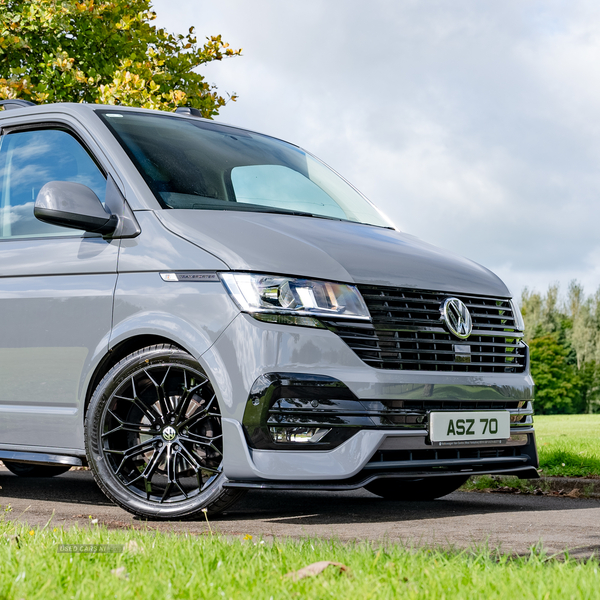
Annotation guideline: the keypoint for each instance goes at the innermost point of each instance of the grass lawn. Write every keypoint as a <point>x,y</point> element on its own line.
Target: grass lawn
<point>568,445</point>
<point>164,566</point>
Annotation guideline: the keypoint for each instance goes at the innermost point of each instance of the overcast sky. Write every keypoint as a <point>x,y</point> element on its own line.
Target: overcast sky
<point>473,124</point>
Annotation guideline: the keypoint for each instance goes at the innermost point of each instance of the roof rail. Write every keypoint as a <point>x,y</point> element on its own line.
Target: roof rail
<point>188,110</point>
<point>14,103</point>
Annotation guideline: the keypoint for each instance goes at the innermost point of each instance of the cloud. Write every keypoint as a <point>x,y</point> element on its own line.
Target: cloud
<point>473,125</point>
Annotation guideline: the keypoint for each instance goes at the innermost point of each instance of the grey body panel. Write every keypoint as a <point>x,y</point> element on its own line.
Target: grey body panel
<point>193,315</point>
<point>158,249</point>
<point>329,249</point>
<point>56,318</point>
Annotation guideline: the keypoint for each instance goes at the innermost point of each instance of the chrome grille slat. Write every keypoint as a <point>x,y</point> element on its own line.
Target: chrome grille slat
<point>515,334</point>
<point>477,343</point>
<point>407,333</point>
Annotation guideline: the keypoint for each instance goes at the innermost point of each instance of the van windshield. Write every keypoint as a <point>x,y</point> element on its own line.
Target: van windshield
<point>196,164</point>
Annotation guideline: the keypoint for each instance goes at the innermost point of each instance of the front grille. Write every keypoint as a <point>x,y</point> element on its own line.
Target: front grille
<point>407,333</point>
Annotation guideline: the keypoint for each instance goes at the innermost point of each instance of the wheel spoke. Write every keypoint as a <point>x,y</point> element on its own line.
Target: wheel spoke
<point>166,492</point>
<point>147,410</point>
<point>132,427</point>
<point>127,454</point>
<point>185,399</point>
<point>160,392</point>
<point>135,427</point>
<point>202,466</point>
<point>175,474</point>
<point>133,451</point>
<point>170,478</point>
<point>107,433</point>
<point>139,448</point>
<point>213,447</point>
<point>206,444</point>
<point>193,438</point>
<point>210,469</point>
<point>209,480</point>
<point>150,467</point>
<point>199,414</point>
<point>186,454</point>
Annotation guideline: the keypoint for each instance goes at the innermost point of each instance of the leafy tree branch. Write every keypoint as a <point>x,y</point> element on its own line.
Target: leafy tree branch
<point>105,51</point>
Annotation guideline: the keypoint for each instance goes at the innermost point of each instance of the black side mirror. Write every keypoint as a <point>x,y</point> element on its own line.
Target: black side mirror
<point>73,205</point>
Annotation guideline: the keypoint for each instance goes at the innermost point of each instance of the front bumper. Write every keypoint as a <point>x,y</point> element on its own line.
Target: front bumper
<point>249,350</point>
<point>367,456</point>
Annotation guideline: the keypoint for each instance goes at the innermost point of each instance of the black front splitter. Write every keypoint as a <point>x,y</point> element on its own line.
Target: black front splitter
<point>525,472</point>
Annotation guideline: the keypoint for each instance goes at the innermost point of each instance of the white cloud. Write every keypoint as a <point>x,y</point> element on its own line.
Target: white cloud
<point>474,125</point>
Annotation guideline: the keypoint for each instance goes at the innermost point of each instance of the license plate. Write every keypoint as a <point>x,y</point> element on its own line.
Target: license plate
<point>477,427</point>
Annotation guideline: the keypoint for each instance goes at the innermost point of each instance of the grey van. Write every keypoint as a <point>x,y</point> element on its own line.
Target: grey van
<point>194,309</point>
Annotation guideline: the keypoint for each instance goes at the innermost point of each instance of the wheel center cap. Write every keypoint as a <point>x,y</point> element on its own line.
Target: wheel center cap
<point>169,433</point>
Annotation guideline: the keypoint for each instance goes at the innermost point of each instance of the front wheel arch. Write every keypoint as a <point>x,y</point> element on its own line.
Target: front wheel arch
<point>117,354</point>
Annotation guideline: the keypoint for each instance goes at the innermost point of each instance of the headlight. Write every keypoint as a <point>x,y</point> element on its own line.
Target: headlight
<point>292,300</point>
<point>519,323</point>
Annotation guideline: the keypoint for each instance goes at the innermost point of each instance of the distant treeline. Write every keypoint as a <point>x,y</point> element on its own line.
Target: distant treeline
<point>563,334</point>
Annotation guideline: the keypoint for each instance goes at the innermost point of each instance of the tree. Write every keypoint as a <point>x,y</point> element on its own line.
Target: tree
<point>564,338</point>
<point>555,380</point>
<point>103,51</point>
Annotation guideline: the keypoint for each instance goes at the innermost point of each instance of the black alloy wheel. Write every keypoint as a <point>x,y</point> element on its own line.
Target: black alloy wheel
<point>427,488</point>
<point>29,470</point>
<point>154,438</point>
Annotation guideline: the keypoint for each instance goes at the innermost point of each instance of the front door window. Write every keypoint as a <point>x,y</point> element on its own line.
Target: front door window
<point>29,160</point>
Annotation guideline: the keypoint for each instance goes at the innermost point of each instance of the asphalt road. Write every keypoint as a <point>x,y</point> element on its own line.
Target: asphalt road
<point>513,523</point>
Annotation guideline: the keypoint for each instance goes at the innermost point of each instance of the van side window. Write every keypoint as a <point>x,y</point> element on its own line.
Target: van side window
<point>29,160</point>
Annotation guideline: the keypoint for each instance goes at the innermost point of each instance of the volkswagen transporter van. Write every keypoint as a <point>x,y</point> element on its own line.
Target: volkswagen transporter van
<point>194,309</point>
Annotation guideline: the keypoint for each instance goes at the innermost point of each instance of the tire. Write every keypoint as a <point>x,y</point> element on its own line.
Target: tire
<point>27,470</point>
<point>153,437</point>
<point>428,488</point>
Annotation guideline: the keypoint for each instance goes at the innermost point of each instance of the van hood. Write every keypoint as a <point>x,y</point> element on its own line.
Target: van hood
<point>328,249</point>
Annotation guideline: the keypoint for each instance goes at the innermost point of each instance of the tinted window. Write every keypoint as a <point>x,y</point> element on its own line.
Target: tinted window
<point>29,160</point>
<point>195,164</point>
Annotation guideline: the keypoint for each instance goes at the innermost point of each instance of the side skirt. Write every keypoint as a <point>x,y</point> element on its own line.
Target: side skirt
<point>39,458</point>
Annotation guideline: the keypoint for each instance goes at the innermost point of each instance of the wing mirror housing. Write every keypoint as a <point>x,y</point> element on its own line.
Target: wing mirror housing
<point>75,205</point>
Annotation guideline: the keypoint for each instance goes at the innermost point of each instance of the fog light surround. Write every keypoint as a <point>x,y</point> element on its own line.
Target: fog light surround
<point>297,411</point>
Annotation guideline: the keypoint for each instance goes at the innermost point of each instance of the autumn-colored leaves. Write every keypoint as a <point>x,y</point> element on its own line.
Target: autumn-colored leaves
<point>106,52</point>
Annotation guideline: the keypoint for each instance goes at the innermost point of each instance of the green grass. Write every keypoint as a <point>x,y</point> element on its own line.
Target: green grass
<point>180,566</point>
<point>501,483</point>
<point>568,445</point>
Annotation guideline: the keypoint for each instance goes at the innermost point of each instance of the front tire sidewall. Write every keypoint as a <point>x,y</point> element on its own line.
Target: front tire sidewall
<point>103,473</point>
